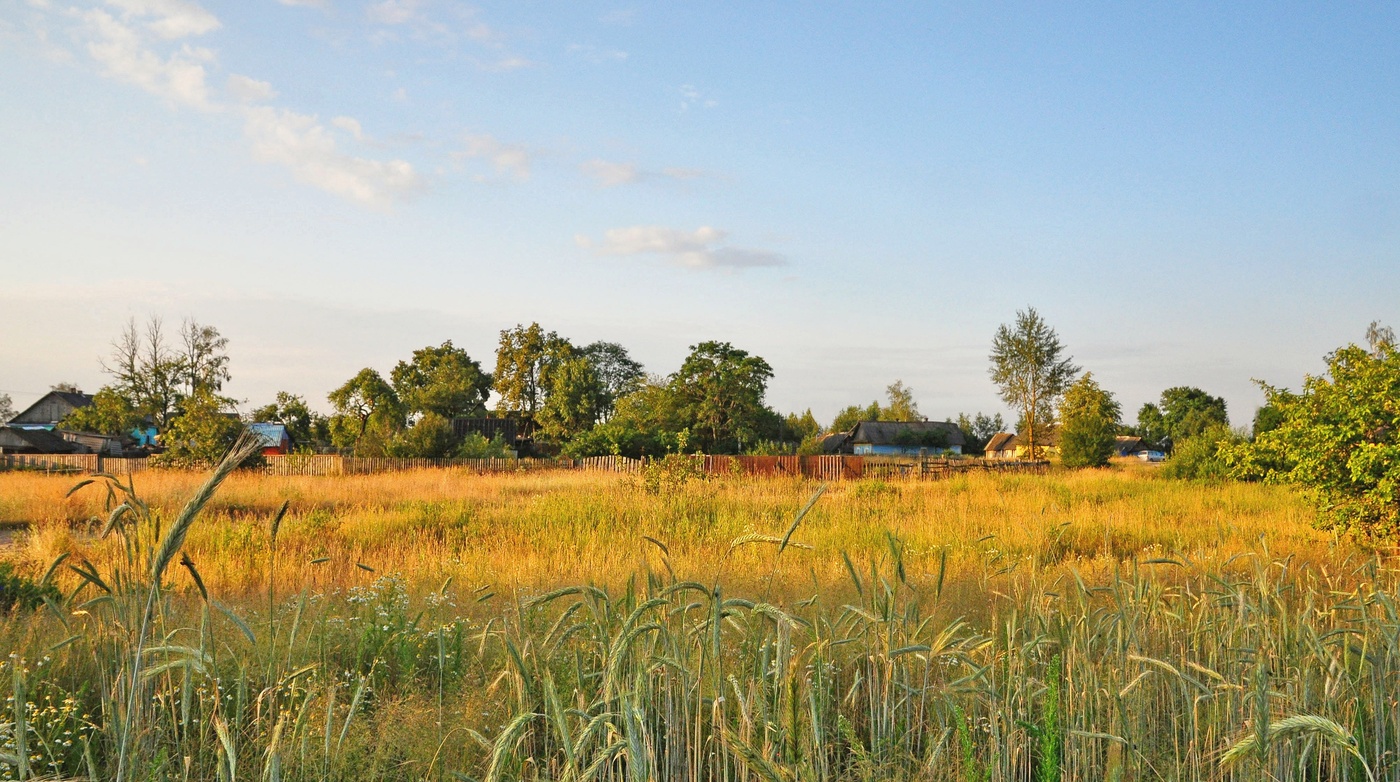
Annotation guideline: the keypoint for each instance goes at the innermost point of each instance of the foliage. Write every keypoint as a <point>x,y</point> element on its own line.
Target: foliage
<point>110,413</point>
<point>1188,411</point>
<point>306,428</point>
<point>1203,456</point>
<point>202,433</point>
<point>575,401</point>
<point>20,591</point>
<point>476,446</point>
<point>523,360</point>
<point>155,377</point>
<point>1030,370</point>
<point>1151,427</point>
<point>7,408</point>
<point>718,393</point>
<point>1338,440</point>
<point>978,430</point>
<point>443,380</point>
<point>430,437</point>
<point>848,417</point>
<point>364,399</point>
<point>1266,419</point>
<point>617,373</point>
<point>1088,424</point>
<point>902,406</point>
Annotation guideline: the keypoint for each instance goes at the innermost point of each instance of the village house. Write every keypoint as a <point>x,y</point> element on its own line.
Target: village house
<point>50,409</point>
<point>1005,446</point>
<point>905,438</point>
<point>273,438</point>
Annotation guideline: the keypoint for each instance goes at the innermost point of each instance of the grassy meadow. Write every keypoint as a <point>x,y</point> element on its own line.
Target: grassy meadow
<point>562,625</point>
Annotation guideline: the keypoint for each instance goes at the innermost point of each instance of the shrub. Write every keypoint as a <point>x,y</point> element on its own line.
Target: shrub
<point>18,590</point>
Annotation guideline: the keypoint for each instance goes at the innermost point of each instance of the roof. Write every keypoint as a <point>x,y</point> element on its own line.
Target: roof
<point>271,435</point>
<point>833,441</point>
<point>1129,444</point>
<point>902,432</point>
<point>41,440</point>
<point>69,399</point>
<point>1001,441</point>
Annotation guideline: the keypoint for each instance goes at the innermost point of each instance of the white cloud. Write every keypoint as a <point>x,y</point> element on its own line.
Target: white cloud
<point>698,249</point>
<point>349,125</point>
<point>610,174</point>
<point>394,12</point>
<point>302,144</point>
<point>179,78</point>
<point>595,54</point>
<point>691,97</point>
<point>511,159</point>
<point>505,64</point>
<point>307,3</point>
<point>172,18</point>
<point>249,90</point>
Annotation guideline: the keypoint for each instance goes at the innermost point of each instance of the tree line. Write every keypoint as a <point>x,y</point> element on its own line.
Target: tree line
<point>1338,437</point>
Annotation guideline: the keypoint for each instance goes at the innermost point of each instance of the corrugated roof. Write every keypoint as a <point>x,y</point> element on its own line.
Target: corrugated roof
<point>272,435</point>
<point>889,432</point>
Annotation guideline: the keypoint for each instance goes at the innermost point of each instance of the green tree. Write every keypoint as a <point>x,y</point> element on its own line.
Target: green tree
<point>1338,440</point>
<point>523,361</point>
<point>363,400</point>
<point>306,428</point>
<point>110,413</point>
<point>1088,424</point>
<point>645,422</point>
<point>7,408</point>
<point>202,433</point>
<point>1151,426</point>
<point>1030,371</point>
<point>618,374</point>
<point>147,371</point>
<point>443,380</point>
<point>574,400</point>
<point>902,406</point>
<point>1188,411</point>
<point>203,360</point>
<point>847,418</point>
<point>978,430</point>
<point>719,391</point>
<point>430,437</point>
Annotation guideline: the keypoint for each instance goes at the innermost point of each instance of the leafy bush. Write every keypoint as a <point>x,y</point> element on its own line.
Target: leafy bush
<point>1203,457</point>
<point>18,590</point>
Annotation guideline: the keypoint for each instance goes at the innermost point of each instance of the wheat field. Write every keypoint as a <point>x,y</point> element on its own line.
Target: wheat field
<point>567,626</point>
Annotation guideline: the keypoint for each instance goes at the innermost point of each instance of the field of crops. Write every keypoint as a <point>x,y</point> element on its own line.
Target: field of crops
<point>443,625</point>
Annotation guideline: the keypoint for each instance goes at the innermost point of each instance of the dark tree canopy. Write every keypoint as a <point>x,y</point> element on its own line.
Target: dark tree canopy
<point>719,392</point>
<point>443,380</point>
<point>523,360</point>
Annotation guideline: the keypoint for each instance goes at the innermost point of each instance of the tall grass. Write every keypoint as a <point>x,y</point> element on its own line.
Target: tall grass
<point>958,631</point>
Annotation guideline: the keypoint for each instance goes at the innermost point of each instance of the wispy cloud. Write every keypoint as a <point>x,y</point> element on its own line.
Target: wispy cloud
<point>246,89</point>
<point>308,149</point>
<point>702,248</point>
<point>144,43</point>
<point>608,173</point>
<point>692,98</point>
<point>307,3</point>
<point>122,51</point>
<point>595,54</point>
<point>511,160</point>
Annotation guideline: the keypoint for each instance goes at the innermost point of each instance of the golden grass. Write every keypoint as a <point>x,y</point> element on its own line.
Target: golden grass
<point>536,531</point>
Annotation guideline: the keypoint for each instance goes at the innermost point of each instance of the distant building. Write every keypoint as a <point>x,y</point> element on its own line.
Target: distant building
<point>1002,446</point>
<point>1006,446</point>
<point>14,439</point>
<point>273,438</point>
<point>50,409</point>
<point>835,442</point>
<point>88,442</point>
<point>1125,445</point>
<point>514,432</point>
<point>905,438</point>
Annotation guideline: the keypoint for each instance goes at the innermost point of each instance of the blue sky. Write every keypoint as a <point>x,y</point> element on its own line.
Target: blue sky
<point>1192,194</point>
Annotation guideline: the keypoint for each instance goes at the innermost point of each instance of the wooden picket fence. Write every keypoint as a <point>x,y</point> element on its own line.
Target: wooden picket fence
<point>822,468</point>
<point>72,463</point>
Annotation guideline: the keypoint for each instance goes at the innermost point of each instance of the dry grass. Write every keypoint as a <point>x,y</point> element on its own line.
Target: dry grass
<point>541,530</point>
